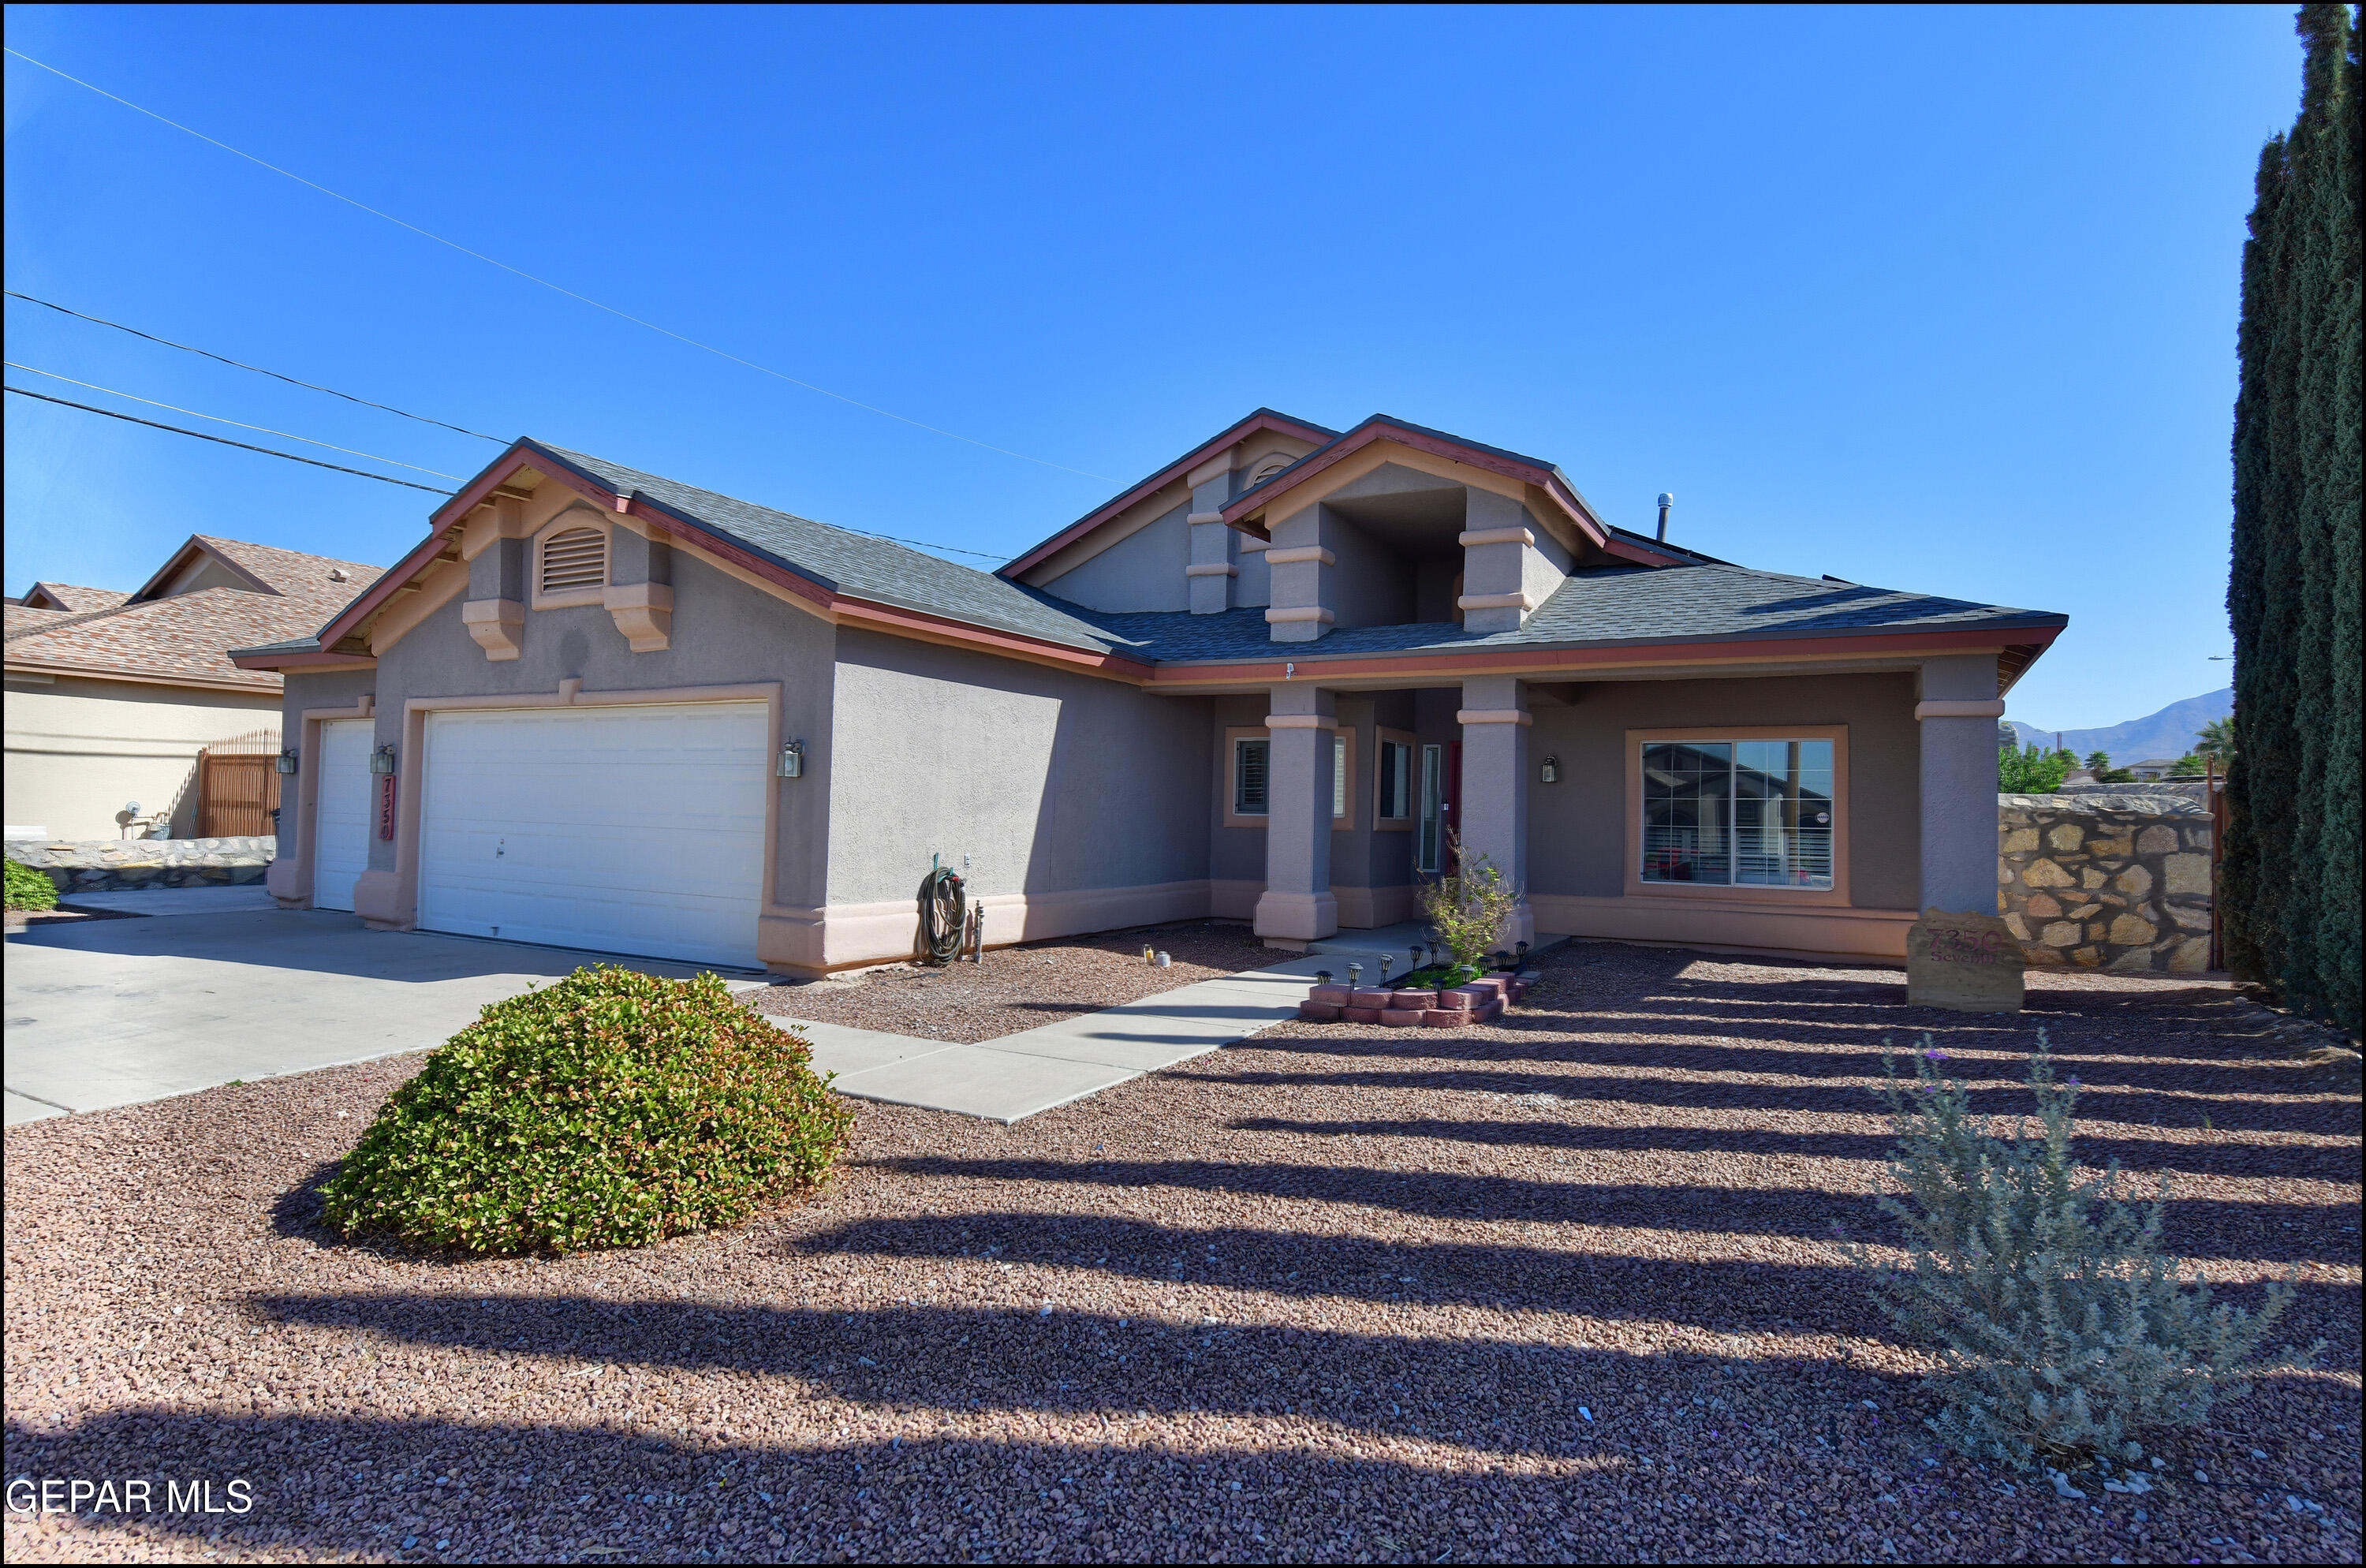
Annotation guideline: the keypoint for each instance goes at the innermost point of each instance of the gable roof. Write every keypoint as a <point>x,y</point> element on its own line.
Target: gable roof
<point>73,600</point>
<point>865,581</point>
<point>1245,508</point>
<point>188,637</point>
<point>1261,419</point>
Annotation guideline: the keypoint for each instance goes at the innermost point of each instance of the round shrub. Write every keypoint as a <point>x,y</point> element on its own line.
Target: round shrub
<point>612,1109</point>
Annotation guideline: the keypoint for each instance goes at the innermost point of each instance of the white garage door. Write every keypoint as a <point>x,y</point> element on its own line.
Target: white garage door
<point>341,838</point>
<point>620,829</point>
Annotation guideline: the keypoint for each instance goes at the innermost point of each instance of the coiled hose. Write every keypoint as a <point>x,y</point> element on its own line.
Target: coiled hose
<point>943,912</point>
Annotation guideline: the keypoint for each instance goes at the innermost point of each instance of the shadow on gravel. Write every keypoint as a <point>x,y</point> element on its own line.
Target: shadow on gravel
<point>2309,1161</point>
<point>1500,1396</point>
<point>325,1488</point>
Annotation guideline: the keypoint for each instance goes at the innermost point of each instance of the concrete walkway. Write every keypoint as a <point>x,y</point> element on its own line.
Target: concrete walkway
<point>1016,1076</point>
<point>115,1012</point>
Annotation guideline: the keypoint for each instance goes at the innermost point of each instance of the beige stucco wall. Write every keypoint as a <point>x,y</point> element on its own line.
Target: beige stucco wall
<point>79,750</point>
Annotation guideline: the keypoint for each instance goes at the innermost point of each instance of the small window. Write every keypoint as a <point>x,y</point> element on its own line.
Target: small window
<point>1396,781</point>
<point>1338,775</point>
<point>574,558</point>
<point>1739,812</point>
<point>1432,808</point>
<point>1249,762</point>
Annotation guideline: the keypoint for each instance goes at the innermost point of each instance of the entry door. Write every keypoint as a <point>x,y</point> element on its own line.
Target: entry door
<point>620,829</point>
<point>341,834</point>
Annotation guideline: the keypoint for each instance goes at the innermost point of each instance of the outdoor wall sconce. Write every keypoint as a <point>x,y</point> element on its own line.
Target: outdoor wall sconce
<point>284,764</point>
<point>1551,773</point>
<point>792,762</point>
<point>382,761</point>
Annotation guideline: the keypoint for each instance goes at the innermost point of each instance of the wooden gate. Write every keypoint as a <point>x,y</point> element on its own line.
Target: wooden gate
<point>238,788</point>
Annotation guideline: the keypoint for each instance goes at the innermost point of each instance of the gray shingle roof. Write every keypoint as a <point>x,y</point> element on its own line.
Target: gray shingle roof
<point>1609,605</point>
<point>1710,601</point>
<point>854,563</point>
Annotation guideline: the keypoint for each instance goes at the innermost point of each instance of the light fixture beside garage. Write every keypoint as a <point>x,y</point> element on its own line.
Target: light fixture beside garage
<point>792,763</point>
<point>1551,773</point>
<point>382,761</point>
<point>284,764</point>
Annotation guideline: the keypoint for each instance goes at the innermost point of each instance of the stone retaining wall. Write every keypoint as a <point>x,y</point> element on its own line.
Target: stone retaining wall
<point>99,865</point>
<point>2106,881</point>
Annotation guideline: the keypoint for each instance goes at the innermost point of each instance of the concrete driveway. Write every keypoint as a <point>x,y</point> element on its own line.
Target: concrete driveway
<point>113,1012</point>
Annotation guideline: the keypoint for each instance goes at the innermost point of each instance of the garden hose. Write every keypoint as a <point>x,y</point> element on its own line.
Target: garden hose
<point>943,910</point>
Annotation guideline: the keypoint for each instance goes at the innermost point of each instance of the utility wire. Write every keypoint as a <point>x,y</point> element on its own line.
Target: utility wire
<point>131,419</point>
<point>258,369</point>
<point>193,413</point>
<point>582,299</point>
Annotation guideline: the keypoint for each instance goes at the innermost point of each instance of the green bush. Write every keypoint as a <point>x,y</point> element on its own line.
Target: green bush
<point>29,889</point>
<point>1470,909</point>
<point>2030,771</point>
<point>2062,1328</point>
<point>612,1109</point>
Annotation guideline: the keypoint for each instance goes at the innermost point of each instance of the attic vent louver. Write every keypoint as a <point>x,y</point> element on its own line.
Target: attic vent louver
<point>577,557</point>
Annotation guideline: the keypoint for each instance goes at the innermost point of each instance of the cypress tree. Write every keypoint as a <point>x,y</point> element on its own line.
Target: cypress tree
<point>2290,887</point>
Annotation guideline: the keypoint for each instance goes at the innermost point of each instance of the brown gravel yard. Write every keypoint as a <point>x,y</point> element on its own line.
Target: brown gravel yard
<point>1022,988</point>
<point>1331,1293</point>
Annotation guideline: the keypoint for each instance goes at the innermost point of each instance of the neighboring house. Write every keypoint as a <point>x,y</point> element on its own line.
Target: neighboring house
<point>112,696</point>
<point>1272,682</point>
<point>2152,768</point>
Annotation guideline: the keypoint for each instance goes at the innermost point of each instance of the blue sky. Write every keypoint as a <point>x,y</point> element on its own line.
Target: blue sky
<point>1935,299</point>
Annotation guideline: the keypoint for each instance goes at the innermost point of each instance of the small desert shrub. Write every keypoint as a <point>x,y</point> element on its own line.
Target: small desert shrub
<point>2063,1329</point>
<point>612,1109</point>
<point>29,889</point>
<point>1470,909</point>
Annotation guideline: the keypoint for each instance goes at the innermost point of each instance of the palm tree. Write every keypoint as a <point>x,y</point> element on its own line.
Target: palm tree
<point>2217,738</point>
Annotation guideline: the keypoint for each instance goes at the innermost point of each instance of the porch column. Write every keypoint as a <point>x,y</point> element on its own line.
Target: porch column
<point>1958,714</point>
<point>1493,803</point>
<point>1298,905</point>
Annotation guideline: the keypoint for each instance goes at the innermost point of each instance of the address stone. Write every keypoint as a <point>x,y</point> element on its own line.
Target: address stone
<point>1966,963</point>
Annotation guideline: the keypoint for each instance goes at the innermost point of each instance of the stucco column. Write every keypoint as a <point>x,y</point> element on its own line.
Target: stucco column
<point>1298,905</point>
<point>1493,801</point>
<point>1300,564</point>
<point>1958,714</point>
<point>1211,570</point>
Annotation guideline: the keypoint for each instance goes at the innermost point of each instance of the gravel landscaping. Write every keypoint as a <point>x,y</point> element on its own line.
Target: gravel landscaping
<point>1022,988</point>
<point>1552,1289</point>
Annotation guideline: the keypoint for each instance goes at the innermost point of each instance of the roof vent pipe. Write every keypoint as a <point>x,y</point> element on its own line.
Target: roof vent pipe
<point>1667,501</point>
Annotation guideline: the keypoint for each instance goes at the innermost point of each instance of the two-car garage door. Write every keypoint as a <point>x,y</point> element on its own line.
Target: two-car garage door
<point>621,830</point>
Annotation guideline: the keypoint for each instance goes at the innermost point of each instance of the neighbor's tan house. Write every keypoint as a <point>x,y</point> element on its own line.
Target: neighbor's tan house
<point>1274,679</point>
<point>112,696</point>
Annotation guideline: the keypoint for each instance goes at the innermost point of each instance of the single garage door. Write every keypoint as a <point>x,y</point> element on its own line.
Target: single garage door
<point>622,830</point>
<point>341,838</point>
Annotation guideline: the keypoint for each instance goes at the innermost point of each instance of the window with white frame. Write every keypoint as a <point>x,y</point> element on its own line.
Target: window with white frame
<point>1251,757</point>
<point>1338,773</point>
<point>1739,812</point>
<point>574,559</point>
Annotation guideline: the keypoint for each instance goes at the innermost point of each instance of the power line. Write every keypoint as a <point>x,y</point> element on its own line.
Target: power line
<point>223,440</point>
<point>556,289</point>
<point>258,369</point>
<point>193,413</point>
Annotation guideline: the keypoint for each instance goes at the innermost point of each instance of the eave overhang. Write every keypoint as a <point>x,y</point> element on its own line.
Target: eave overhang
<point>818,594</point>
<point>1249,510</point>
<point>1262,419</point>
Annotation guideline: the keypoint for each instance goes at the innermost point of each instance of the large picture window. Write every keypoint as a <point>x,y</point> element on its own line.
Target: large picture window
<point>1739,812</point>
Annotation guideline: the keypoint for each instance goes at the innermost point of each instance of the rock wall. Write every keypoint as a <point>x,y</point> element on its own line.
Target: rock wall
<point>2106,881</point>
<point>98,866</point>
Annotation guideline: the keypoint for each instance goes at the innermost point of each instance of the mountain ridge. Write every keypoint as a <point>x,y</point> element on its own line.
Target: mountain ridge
<point>2168,733</point>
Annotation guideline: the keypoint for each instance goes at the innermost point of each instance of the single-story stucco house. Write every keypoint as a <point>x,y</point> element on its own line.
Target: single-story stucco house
<point>112,697</point>
<point>1271,681</point>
